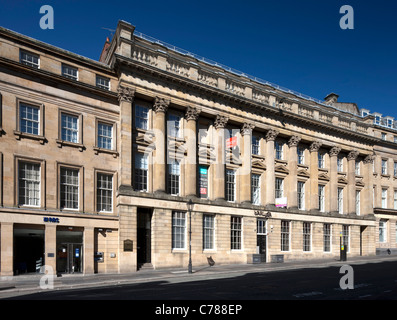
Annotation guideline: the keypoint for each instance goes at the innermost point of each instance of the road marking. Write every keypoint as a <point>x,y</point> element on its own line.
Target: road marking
<point>307,294</point>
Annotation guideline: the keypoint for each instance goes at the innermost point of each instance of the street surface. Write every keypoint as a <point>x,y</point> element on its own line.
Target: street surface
<point>372,281</point>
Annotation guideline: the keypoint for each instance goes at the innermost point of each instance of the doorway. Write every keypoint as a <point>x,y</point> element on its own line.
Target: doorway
<point>69,251</point>
<point>261,239</point>
<point>144,235</point>
<point>28,249</point>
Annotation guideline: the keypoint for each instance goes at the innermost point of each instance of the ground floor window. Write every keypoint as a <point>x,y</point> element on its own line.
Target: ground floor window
<point>382,231</point>
<point>208,231</point>
<point>327,237</point>
<point>285,235</point>
<point>178,230</point>
<point>306,236</point>
<point>235,228</point>
<point>346,237</point>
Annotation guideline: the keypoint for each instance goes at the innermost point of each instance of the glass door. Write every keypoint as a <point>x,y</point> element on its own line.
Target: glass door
<point>69,257</point>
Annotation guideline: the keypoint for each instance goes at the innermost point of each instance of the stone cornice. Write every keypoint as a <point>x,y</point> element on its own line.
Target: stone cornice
<point>244,102</point>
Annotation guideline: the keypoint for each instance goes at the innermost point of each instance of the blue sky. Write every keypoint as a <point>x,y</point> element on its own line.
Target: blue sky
<point>297,44</point>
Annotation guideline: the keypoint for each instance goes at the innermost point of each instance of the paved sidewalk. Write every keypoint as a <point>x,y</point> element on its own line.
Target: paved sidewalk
<point>24,284</point>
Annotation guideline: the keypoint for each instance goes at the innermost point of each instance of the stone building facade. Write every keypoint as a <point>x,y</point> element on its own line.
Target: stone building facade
<point>100,158</point>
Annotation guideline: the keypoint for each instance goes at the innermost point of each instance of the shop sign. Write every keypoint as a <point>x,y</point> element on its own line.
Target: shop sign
<point>51,219</point>
<point>281,202</point>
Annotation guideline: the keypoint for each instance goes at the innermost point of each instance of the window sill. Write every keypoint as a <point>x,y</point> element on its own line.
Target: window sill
<point>108,151</point>
<point>62,143</point>
<point>19,135</point>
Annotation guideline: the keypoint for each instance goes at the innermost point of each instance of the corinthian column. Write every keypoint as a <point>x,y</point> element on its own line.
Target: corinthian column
<point>160,107</point>
<point>293,171</point>
<point>351,181</point>
<point>126,97</point>
<point>314,148</point>
<point>333,153</point>
<point>219,172</point>
<point>367,199</point>
<point>191,117</point>
<point>270,176</point>
<point>245,170</point>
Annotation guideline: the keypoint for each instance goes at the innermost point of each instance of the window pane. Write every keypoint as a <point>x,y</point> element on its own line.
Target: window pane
<point>141,172</point>
<point>178,230</point>
<point>230,185</point>
<point>105,136</point>
<point>104,192</point>
<point>141,117</point>
<point>208,231</point>
<point>29,184</point>
<point>69,128</point>
<point>29,119</point>
<point>69,188</point>
<point>235,228</point>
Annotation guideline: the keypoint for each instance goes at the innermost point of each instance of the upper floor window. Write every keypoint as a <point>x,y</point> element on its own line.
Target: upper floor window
<point>141,172</point>
<point>357,168</point>
<point>377,119</point>
<point>230,185</point>
<point>104,192</point>
<point>174,177</point>
<point>340,164</point>
<point>301,155</point>
<point>279,189</point>
<point>279,150</point>
<point>301,195</point>
<point>255,145</point>
<point>69,72</point>
<point>69,188</point>
<point>69,128</point>
<point>321,160</point>
<point>340,200</point>
<point>29,59</point>
<point>29,184</point>
<point>141,117</point>
<point>384,166</point>
<point>174,125</point>
<point>256,189</point>
<point>105,135</point>
<point>103,82</point>
<point>383,136</point>
<point>29,119</point>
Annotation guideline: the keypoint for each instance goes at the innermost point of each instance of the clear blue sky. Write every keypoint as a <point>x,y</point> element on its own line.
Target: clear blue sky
<point>297,44</point>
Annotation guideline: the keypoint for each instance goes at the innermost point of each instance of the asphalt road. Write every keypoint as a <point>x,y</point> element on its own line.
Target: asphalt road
<point>371,281</point>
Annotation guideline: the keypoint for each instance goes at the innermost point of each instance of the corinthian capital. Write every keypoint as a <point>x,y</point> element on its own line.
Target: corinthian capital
<point>353,155</point>
<point>247,128</point>
<point>220,121</point>
<point>271,134</point>
<point>294,141</point>
<point>125,93</point>
<point>369,159</point>
<point>315,146</point>
<point>192,113</point>
<point>161,104</point>
<point>334,151</point>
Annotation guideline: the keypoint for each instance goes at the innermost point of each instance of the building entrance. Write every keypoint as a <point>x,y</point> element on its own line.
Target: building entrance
<point>28,249</point>
<point>69,251</point>
<point>144,232</point>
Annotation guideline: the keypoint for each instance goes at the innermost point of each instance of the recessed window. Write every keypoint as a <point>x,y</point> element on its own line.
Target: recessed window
<point>69,188</point>
<point>141,172</point>
<point>285,235</point>
<point>105,135</point>
<point>103,82</point>
<point>104,192</point>
<point>301,155</point>
<point>279,150</point>
<point>29,59</point>
<point>230,185</point>
<point>174,125</point>
<point>382,231</point>
<point>141,117</point>
<point>301,195</point>
<point>29,184</point>
<point>256,189</point>
<point>340,200</point>
<point>29,119</point>
<point>178,230</point>
<point>208,232</point>
<point>235,230</point>
<point>69,128</point>
<point>307,236</point>
<point>384,166</point>
<point>321,198</point>
<point>255,145</point>
<point>327,237</point>
<point>69,72</point>
<point>174,170</point>
<point>321,160</point>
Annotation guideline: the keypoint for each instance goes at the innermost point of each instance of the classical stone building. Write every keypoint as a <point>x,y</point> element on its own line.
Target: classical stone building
<point>100,159</point>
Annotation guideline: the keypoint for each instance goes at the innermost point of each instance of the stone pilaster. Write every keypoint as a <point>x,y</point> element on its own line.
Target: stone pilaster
<point>351,181</point>
<point>367,193</point>
<point>333,183</point>
<point>293,171</point>
<point>88,250</point>
<point>270,174</point>
<point>50,240</point>
<point>314,149</point>
<point>126,97</point>
<point>192,114</point>
<point>219,172</point>
<point>245,170</point>
<point>7,248</point>
<point>160,107</point>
